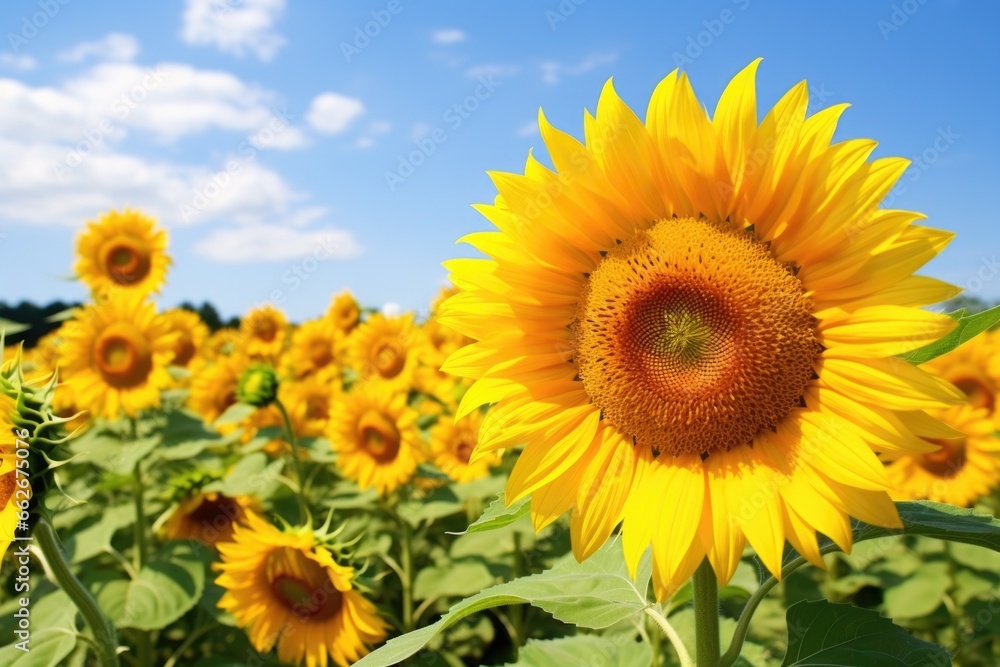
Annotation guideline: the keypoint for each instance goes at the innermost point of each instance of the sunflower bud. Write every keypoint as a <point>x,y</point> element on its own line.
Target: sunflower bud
<point>258,385</point>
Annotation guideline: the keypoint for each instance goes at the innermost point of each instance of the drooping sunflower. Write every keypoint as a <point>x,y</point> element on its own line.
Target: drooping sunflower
<point>975,369</point>
<point>308,401</point>
<point>961,470</point>
<point>263,332</point>
<point>692,323</point>
<point>386,350</point>
<point>376,438</point>
<point>315,350</point>
<point>115,354</point>
<point>123,250</point>
<point>452,445</point>
<point>191,334</point>
<point>285,588</point>
<point>344,312</point>
<point>208,517</point>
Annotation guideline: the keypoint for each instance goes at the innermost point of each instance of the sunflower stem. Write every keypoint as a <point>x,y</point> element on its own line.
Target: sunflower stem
<point>139,549</point>
<point>406,580</point>
<point>105,637</point>
<point>706,615</point>
<point>304,515</point>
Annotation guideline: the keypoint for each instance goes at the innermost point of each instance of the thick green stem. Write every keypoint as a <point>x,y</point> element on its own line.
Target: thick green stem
<point>300,479</point>
<point>105,637</point>
<point>140,548</point>
<point>706,615</point>
<point>406,580</point>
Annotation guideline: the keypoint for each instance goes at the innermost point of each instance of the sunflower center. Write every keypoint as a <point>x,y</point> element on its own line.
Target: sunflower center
<point>123,355</point>
<point>320,352</point>
<point>317,407</point>
<point>125,261</point>
<point>979,390</point>
<point>184,350</point>
<point>302,586</point>
<point>8,483</point>
<point>378,435</point>
<point>691,337</point>
<point>463,450</point>
<point>388,359</point>
<point>265,329</point>
<point>947,461</point>
<point>216,511</point>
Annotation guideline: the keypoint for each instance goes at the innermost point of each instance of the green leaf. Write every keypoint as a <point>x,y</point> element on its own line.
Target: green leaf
<point>941,521</point>
<point>53,634</point>
<point>823,634</point>
<point>250,475</point>
<point>108,450</point>
<point>920,593</point>
<point>498,515</point>
<point>92,539</point>
<point>594,594</point>
<point>590,650</point>
<point>456,578</point>
<point>167,587</point>
<point>969,326</point>
<point>235,414</point>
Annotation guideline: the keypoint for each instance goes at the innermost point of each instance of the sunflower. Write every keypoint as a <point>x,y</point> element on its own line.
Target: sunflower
<point>975,369</point>
<point>191,335</point>
<point>452,446</point>
<point>287,589</point>
<point>308,401</point>
<point>208,517</point>
<point>315,350</point>
<point>386,350</point>
<point>375,435</point>
<point>123,249</point>
<point>958,471</point>
<point>115,354</point>
<point>692,325</point>
<point>220,343</point>
<point>344,312</point>
<point>10,513</point>
<point>213,385</point>
<point>263,331</point>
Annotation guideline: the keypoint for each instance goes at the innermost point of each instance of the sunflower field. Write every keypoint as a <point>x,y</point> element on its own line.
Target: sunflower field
<point>694,405</point>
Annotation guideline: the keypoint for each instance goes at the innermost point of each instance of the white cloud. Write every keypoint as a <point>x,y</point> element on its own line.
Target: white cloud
<point>528,129</point>
<point>552,71</point>
<point>364,142</point>
<point>448,36</point>
<point>380,127</point>
<point>391,309</point>
<point>115,46</point>
<point>261,243</point>
<point>419,130</point>
<point>331,113</point>
<point>234,26</point>
<point>19,62</point>
<point>488,70</point>
<point>167,101</point>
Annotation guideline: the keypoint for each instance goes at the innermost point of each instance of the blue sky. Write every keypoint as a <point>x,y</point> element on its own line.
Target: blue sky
<point>310,114</point>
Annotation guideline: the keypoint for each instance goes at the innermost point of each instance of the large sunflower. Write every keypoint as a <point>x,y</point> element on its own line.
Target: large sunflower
<point>122,249</point>
<point>959,471</point>
<point>691,322</point>
<point>286,589</point>
<point>376,438</point>
<point>387,350</point>
<point>115,354</point>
